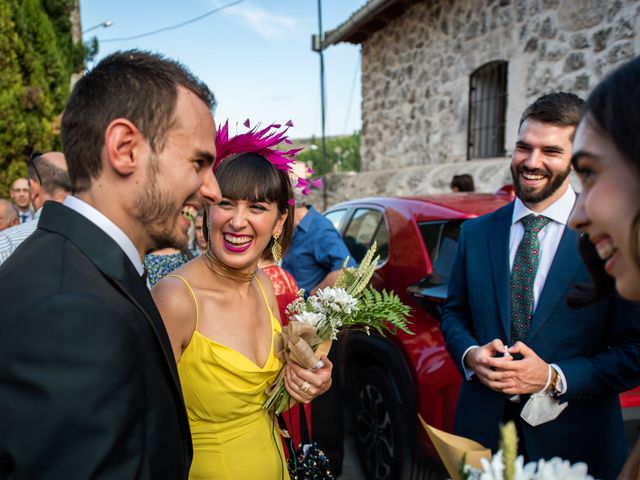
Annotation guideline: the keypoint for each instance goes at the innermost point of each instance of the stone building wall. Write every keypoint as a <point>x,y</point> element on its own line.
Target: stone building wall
<point>415,81</point>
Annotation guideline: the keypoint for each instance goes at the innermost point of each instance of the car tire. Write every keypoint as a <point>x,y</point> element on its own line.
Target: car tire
<point>383,427</point>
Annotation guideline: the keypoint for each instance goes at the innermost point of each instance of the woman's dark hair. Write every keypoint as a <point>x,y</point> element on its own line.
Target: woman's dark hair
<point>250,176</point>
<point>612,108</point>
<point>463,183</point>
<point>602,285</point>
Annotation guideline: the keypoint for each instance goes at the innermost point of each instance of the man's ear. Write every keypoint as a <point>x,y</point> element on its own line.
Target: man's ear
<point>34,189</point>
<point>123,144</point>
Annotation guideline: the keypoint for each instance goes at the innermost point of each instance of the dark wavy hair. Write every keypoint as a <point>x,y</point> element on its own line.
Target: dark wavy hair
<point>613,109</point>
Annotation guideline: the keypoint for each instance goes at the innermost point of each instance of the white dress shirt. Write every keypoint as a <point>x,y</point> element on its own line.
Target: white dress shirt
<point>108,227</point>
<point>549,238</point>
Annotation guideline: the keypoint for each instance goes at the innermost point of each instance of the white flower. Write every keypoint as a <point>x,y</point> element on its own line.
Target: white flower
<point>554,469</point>
<point>310,318</point>
<point>337,299</point>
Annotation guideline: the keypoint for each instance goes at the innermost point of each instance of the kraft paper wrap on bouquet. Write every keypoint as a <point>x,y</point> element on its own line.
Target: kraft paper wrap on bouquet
<point>296,343</point>
<point>453,448</point>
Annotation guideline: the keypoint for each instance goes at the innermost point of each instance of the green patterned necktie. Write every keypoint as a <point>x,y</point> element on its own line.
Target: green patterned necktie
<point>523,275</point>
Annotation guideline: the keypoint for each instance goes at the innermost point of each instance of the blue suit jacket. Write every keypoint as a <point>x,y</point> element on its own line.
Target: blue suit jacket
<point>597,348</point>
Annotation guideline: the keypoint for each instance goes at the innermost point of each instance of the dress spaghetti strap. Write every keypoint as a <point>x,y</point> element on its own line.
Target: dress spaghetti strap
<point>264,296</point>
<point>192,294</point>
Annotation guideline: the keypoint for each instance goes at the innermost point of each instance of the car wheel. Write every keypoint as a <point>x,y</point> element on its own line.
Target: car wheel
<point>382,432</point>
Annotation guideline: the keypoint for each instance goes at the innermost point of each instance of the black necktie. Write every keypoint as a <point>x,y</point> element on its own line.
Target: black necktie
<point>23,217</point>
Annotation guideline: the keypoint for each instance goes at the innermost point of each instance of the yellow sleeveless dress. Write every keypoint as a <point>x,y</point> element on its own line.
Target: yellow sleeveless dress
<point>233,437</point>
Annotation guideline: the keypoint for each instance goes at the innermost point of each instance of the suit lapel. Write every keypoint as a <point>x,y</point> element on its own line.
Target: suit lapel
<point>559,280</point>
<point>498,247</point>
<point>109,258</point>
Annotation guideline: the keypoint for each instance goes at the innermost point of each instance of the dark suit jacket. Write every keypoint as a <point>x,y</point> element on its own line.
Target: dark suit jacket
<point>597,348</point>
<point>88,383</point>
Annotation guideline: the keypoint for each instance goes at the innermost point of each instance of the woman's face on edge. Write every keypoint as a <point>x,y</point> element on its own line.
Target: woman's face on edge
<point>240,230</point>
<point>607,205</point>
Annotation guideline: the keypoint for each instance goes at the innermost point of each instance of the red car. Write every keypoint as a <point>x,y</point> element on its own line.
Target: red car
<point>387,381</point>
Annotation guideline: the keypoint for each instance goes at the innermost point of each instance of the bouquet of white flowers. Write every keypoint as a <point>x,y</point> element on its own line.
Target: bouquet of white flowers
<point>505,465</point>
<point>314,323</point>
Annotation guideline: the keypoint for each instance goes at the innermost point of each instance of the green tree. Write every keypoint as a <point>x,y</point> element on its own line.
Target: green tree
<point>37,58</point>
<point>343,154</point>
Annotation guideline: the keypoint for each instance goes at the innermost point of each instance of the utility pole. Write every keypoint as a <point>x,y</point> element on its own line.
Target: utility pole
<point>318,47</point>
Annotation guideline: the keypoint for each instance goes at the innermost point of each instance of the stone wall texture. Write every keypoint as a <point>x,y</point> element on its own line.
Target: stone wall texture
<point>415,83</point>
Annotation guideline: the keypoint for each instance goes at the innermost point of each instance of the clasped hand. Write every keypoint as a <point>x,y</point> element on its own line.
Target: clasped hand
<point>500,372</point>
<point>304,385</point>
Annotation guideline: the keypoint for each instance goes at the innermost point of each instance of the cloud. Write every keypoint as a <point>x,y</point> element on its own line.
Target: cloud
<point>269,25</point>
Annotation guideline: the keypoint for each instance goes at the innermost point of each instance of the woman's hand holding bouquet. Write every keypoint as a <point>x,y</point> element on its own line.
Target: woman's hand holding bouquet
<point>314,323</point>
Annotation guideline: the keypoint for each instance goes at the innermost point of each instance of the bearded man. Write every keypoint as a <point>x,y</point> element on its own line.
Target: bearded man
<point>88,382</point>
<point>509,329</point>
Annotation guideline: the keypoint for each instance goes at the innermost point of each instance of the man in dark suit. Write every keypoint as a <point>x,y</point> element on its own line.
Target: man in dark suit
<point>508,286</point>
<point>88,381</point>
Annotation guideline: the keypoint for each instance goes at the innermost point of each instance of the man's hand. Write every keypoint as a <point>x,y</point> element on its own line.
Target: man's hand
<point>514,377</point>
<point>477,360</point>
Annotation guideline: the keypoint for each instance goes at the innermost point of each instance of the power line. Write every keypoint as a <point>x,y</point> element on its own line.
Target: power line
<point>172,27</point>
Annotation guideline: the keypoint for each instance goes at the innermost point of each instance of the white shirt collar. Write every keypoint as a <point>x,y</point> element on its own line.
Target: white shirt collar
<point>558,211</point>
<point>108,227</point>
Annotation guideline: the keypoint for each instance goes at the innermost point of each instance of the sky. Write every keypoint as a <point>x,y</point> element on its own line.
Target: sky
<point>255,55</point>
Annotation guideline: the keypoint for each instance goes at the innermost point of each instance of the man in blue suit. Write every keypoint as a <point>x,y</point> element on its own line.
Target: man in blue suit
<point>513,271</point>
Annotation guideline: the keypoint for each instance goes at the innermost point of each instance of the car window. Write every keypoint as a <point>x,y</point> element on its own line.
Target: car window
<point>336,217</point>
<point>441,242</point>
<point>365,226</point>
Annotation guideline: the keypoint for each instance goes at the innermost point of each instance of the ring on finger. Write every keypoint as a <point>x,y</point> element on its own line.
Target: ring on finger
<point>305,386</point>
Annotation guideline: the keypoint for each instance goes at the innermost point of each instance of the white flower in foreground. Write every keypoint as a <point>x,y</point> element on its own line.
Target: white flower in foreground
<point>493,470</point>
<point>310,318</point>
<point>556,468</point>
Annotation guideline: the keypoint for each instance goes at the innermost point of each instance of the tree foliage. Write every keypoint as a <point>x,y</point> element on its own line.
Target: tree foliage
<point>343,154</point>
<point>37,58</point>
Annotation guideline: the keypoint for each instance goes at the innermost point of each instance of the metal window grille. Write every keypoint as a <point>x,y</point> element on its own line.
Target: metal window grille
<point>487,110</point>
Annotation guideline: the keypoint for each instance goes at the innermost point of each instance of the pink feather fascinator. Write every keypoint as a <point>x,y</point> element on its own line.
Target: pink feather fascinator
<point>263,141</point>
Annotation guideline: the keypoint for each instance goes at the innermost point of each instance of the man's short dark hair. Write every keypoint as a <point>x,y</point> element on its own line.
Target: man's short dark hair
<point>52,178</point>
<point>139,86</point>
<point>562,109</point>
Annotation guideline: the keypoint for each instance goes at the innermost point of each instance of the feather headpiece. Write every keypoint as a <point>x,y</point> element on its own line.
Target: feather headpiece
<point>263,142</point>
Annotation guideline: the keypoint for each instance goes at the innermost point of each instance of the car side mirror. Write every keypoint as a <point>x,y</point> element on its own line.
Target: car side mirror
<point>431,297</point>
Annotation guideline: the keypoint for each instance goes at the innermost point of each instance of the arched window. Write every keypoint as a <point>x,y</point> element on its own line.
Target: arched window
<point>487,110</point>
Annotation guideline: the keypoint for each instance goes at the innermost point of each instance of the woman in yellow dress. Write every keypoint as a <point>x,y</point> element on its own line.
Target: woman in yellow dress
<point>221,315</point>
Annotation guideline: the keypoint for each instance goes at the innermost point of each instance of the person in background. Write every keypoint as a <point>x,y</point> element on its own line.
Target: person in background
<point>315,257</point>
<point>160,263</point>
<point>48,180</point>
<point>222,315</point>
<point>8,215</point>
<point>88,383</point>
<point>462,183</point>
<point>200,242</point>
<point>607,160</point>
<point>507,324</point>
<point>20,197</point>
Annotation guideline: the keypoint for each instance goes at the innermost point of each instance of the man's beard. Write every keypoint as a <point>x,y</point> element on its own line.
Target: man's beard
<point>159,213</point>
<point>527,194</point>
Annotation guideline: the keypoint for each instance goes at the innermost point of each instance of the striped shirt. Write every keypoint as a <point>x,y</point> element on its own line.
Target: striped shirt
<point>11,238</point>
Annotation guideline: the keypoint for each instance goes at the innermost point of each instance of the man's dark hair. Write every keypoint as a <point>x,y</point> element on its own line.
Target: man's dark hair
<point>139,86</point>
<point>562,109</point>
<point>463,183</point>
<point>52,178</point>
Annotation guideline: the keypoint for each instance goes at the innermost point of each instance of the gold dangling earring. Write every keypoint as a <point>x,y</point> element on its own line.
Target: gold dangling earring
<point>276,248</point>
